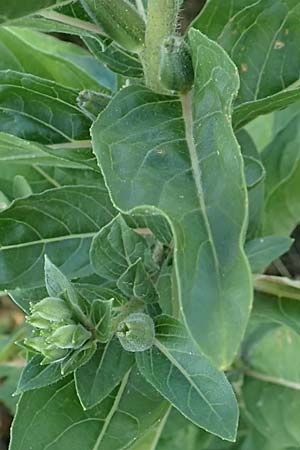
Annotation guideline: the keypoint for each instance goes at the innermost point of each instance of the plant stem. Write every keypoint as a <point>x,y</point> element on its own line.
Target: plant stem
<point>71,145</point>
<point>160,429</point>
<point>278,286</point>
<point>72,21</point>
<point>270,379</point>
<point>141,9</point>
<point>161,23</point>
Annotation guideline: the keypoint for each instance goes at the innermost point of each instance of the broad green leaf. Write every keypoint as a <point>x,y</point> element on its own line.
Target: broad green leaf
<point>24,50</point>
<point>281,159</point>
<point>105,370</point>
<point>15,9</point>
<point>157,155</point>
<point>188,380</point>
<point>59,422</point>
<point>40,110</point>
<point>262,251</point>
<point>24,297</point>
<point>276,357</point>
<point>260,38</point>
<point>60,223</point>
<point>274,411</point>
<point>115,248</point>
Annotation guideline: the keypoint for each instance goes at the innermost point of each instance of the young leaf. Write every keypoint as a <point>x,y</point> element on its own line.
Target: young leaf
<point>158,155</point>
<point>188,380</point>
<point>56,282</point>
<point>105,370</point>
<point>115,248</point>
<point>136,282</point>
<point>100,316</point>
<point>57,117</point>
<point>60,223</point>
<point>262,251</point>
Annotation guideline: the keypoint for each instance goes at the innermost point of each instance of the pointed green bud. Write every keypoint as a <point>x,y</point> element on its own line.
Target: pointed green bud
<point>119,20</point>
<point>53,309</point>
<point>36,343</point>
<point>53,354</point>
<point>37,321</point>
<point>136,333</point>
<point>92,103</point>
<point>176,66</point>
<point>69,336</point>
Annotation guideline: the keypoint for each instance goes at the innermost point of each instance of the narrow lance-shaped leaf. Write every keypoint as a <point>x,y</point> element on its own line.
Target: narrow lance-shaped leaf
<point>176,368</point>
<point>183,161</point>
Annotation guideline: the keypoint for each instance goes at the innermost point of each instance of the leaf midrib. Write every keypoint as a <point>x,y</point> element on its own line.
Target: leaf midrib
<point>173,361</point>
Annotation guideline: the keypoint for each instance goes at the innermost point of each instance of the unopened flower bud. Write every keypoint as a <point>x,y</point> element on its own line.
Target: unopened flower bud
<point>37,321</point>
<point>69,336</point>
<point>136,333</point>
<point>53,354</point>
<point>53,309</point>
<point>36,343</point>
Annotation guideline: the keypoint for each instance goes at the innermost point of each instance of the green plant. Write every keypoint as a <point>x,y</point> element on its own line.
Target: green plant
<point>139,212</point>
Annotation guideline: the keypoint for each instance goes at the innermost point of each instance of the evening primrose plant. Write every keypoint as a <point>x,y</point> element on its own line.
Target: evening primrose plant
<point>150,176</point>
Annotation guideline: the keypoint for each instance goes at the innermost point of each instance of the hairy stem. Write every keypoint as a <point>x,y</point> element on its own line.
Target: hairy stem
<point>161,23</point>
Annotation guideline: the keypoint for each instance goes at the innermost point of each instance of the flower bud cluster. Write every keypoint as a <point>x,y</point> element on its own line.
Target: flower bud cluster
<point>56,333</point>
